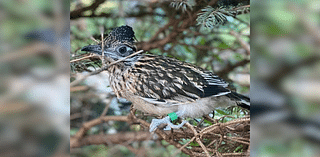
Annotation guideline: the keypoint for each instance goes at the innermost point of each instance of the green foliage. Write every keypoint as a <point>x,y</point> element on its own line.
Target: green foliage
<point>194,144</point>
<point>223,46</point>
<point>221,112</point>
<point>177,4</point>
<point>211,17</point>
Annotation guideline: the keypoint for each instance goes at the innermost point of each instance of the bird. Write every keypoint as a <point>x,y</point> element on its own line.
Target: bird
<point>162,85</point>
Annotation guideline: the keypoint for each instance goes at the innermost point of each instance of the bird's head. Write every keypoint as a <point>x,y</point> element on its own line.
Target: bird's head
<point>118,44</point>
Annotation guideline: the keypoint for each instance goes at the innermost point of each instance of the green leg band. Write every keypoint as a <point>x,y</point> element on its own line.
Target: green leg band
<point>173,116</point>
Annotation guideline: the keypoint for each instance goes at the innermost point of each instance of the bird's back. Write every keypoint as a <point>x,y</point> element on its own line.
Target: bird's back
<point>169,80</point>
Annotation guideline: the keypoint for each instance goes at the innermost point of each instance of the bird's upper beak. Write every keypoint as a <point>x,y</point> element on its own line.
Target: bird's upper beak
<point>93,49</point>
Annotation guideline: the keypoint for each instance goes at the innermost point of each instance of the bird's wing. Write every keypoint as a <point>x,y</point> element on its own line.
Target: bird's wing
<point>167,81</point>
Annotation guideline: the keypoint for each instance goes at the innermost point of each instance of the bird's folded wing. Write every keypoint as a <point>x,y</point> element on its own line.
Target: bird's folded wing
<point>167,81</point>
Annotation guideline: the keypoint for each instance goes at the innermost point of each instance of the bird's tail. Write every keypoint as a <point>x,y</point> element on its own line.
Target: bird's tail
<point>241,100</point>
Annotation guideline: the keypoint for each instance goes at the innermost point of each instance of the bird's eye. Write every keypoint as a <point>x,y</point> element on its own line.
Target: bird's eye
<point>122,49</point>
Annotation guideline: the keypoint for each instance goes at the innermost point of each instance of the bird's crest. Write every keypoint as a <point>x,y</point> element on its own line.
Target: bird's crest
<point>121,35</point>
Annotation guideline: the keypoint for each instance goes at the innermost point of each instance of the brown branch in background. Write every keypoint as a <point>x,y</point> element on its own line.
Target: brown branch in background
<point>243,43</point>
<point>165,27</point>
<point>86,126</point>
<point>238,139</point>
<point>110,15</point>
<point>177,26</point>
<point>79,12</point>
<point>201,47</point>
<point>203,147</point>
<point>217,126</point>
<point>171,137</point>
<point>213,2</point>
<point>118,138</point>
<point>230,68</point>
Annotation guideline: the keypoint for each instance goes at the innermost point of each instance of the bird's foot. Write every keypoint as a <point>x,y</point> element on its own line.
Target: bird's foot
<point>166,120</point>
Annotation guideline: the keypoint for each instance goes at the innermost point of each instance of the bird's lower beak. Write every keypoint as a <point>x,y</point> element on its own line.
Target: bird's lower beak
<point>93,49</point>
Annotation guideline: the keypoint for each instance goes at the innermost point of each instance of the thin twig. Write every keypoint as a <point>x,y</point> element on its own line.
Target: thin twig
<point>78,88</point>
<point>120,60</point>
<point>92,38</point>
<point>102,69</point>
<point>102,45</point>
<point>179,150</point>
<point>105,110</point>
<point>79,59</point>
<point>196,135</point>
<point>237,140</point>
<point>202,146</point>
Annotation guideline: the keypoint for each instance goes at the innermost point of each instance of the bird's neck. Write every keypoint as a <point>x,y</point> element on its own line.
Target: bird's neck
<point>115,69</point>
<point>120,67</point>
<point>116,76</point>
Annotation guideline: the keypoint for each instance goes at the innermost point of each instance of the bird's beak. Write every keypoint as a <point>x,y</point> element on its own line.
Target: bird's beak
<point>93,49</point>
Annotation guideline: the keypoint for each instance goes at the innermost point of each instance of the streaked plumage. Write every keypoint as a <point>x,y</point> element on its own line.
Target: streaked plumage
<point>161,85</point>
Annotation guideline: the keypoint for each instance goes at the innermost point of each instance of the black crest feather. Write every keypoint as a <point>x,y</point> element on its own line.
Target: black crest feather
<point>123,34</point>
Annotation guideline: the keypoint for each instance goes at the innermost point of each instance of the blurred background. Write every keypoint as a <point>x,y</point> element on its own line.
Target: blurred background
<point>34,66</point>
<point>35,83</point>
<point>285,78</point>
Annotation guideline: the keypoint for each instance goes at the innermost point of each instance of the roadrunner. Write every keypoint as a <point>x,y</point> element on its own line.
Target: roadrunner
<point>161,85</point>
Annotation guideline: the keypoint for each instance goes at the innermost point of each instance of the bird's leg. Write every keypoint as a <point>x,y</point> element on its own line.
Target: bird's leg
<point>166,120</point>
